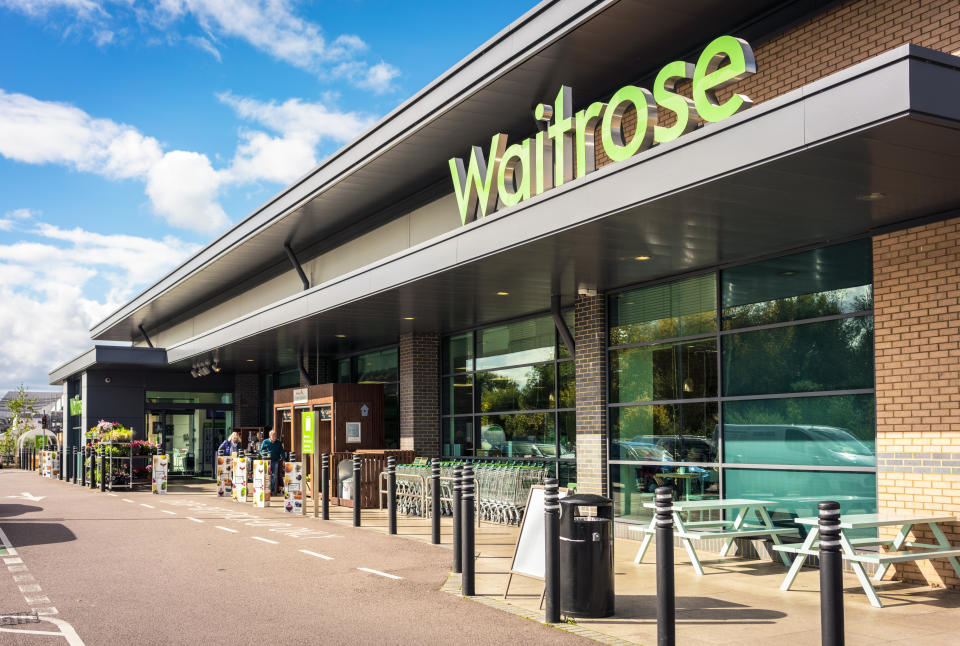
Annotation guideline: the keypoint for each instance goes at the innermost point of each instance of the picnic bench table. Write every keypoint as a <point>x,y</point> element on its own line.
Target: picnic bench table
<point>849,545</point>
<point>689,531</point>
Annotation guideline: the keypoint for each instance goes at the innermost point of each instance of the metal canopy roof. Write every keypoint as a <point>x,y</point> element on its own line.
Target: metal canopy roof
<point>400,163</point>
<point>110,355</point>
<point>789,173</point>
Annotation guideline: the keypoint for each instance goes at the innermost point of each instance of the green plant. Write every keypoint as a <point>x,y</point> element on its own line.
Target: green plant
<point>23,407</point>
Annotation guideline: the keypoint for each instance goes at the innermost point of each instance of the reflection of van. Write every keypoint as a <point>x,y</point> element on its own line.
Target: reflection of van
<point>684,448</point>
<point>794,444</point>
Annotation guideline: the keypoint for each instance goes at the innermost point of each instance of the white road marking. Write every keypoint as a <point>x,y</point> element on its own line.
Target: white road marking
<point>26,496</point>
<point>379,573</point>
<point>126,500</point>
<point>172,513</point>
<point>265,540</point>
<point>16,568</point>
<point>23,578</point>
<point>143,504</point>
<point>13,561</point>
<point>10,551</point>
<point>319,556</point>
<point>29,587</point>
<point>196,520</point>
<point>112,494</point>
<point>31,632</point>
<point>35,600</point>
<point>226,529</point>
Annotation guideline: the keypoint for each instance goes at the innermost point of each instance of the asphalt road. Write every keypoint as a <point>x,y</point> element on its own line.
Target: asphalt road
<point>137,569</point>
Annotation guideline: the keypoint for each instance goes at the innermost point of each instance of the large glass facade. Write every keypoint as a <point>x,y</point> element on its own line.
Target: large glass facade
<point>754,382</point>
<point>509,392</point>
<point>377,367</point>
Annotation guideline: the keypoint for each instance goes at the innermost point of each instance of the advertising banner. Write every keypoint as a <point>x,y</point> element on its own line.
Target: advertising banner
<point>261,483</point>
<point>159,474</point>
<point>224,476</point>
<point>46,463</point>
<point>293,487</point>
<point>240,480</point>
<point>309,430</point>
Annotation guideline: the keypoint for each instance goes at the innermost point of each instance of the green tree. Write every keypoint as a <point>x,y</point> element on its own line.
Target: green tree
<point>23,407</point>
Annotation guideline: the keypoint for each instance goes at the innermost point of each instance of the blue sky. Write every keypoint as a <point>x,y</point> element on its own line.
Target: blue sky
<point>131,133</point>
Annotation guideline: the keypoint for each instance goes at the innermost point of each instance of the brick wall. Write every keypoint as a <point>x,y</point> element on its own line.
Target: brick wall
<point>420,394</point>
<point>845,35</point>
<point>917,321</point>
<point>246,400</point>
<point>590,322</point>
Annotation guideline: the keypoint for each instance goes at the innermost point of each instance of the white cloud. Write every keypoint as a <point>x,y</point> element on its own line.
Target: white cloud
<point>302,126</point>
<point>22,214</point>
<point>6,225</point>
<point>46,312</point>
<point>183,187</point>
<point>271,26</point>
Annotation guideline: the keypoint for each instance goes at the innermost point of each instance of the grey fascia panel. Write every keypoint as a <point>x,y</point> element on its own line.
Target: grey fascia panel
<point>78,364</point>
<point>543,24</point>
<point>777,128</point>
<point>108,355</point>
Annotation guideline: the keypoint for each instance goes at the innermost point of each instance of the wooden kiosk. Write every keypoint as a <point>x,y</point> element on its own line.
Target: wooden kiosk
<point>349,419</point>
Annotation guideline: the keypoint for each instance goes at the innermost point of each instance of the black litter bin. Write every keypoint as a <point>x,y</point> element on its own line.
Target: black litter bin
<point>586,556</point>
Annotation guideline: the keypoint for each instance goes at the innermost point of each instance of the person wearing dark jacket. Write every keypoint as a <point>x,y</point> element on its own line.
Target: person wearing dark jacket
<point>272,449</point>
<point>231,444</point>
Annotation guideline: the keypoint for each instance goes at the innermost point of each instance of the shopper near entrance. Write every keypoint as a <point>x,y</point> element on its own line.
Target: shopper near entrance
<point>272,448</point>
<point>253,447</point>
<point>231,444</point>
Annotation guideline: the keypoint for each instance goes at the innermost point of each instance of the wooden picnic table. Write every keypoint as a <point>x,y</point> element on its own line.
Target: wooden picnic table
<point>849,546</point>
<point>728,530</point>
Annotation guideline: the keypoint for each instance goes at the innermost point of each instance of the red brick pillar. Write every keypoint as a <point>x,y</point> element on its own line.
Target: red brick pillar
<point>420,394</point>
<point>590,336</point>
<point>917,326</point>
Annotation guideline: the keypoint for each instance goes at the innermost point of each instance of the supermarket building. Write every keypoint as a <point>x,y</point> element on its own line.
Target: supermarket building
<point>755,289</point>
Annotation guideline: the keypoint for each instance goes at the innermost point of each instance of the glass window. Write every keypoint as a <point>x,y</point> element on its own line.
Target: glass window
<point>683,308</point>
<point>822,282</point>
<point>458,353</point>
<point>288,379</point>
<point>665,432</point>
<point>829,431</point>
<point>527,388</point>
<point>567,473</point>
<point>567,388</point>
<point>378,367</point>
<point>162,397</point>
<point>829,355</point>
<point>526,435</point>
<point>344,374</point>
<point>567,426</point>
<point>798,492</point>
<point>457,436</point>
<point>669,371</point>
<point>458,394</point>
<point>516,343</point>
<point>634,484</point>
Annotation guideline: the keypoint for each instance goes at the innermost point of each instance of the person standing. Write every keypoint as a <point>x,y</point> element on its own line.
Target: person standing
<point>231,444</point>
<point>272,449</point>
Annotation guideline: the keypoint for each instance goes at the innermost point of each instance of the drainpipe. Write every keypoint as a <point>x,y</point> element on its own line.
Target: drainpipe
<point>144,333</point>
<point>561,324</point>
<point>297,266</point>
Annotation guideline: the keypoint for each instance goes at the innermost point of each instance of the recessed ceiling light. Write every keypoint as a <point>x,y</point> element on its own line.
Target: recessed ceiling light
<point>641,258</point>
<point>340,336</point>
<point>249,360</point>
<point>408,318</point>
<point>871,197</point>
<point>503,293</point>
<point>788,273</point>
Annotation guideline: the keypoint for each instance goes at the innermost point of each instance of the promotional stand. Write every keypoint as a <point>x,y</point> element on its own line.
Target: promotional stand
<point>261,483</point>
<point>159,475</point>
<point>224,476</point>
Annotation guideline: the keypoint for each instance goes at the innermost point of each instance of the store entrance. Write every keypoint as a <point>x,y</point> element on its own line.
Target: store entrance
<point>190,437</point>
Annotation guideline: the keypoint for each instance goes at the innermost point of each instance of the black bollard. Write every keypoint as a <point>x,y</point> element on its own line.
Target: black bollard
<point>551,533</point>
<point>666,603</point>
<point>83,466</point>
<point>831,575</point>
<point>391,495</point>
<point>92,476</point>
<point>103,469</point>
<point>324,486</point>
<point>457,542</point>
<point>435,501</point>
<point>356,490</point>
<point>76,463</point>
<point>466,521</point>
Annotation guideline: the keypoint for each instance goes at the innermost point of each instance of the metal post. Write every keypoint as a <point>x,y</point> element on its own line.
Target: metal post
<point>435,501</point>
<point>325,486</point>
<point>83,466</point>
<point>666,603</point>
<point>91,477</point>
<point>457,542</point>
<point>831,576</point>
<point>103,469</point>
<point>391,495</point>
<point>466,519</point>
<point>551,532</point>
<point>356,490</point>
<point>73,460</point>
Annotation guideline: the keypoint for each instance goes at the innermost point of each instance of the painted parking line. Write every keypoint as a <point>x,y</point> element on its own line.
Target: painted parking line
<point>112,494</point>
<point>143,504</point>
<point>196,520</point>
<point>13,561</point>
<point>319,556</point>
<point>265,540</point>
<point>226,529</point>
<point>379,573</point>
<point>172,513</point>
<point>126,500</point>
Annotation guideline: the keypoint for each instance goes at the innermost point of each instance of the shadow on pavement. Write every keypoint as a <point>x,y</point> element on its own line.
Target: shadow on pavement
<point>16,509</point>
<point>693,610</point>
<point>24,534</point>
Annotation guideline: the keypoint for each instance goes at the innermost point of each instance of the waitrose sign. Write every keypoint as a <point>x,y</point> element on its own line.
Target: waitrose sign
<point>564,149</point>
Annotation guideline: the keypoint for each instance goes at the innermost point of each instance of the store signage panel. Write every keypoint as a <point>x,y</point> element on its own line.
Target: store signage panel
<point>300,396</point>
<point>308,428</point>
<point>564,149</point>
